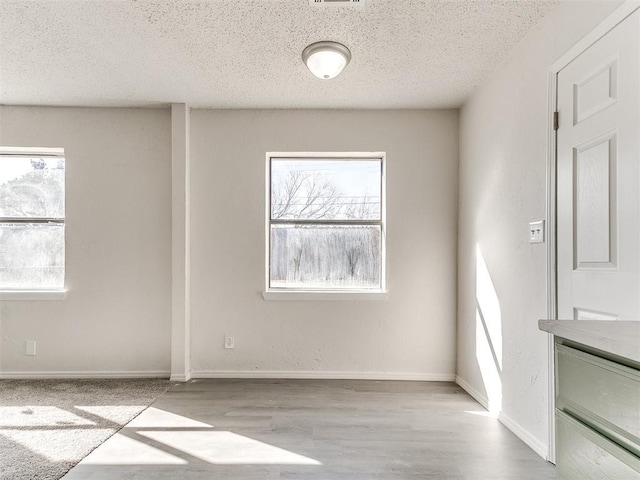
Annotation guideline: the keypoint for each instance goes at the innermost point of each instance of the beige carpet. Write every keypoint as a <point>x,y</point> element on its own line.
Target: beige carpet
<point>48,426</point>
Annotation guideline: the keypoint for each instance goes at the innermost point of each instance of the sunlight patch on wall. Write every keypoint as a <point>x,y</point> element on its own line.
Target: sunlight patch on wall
<point>227,448</point>
<point>488,334</point>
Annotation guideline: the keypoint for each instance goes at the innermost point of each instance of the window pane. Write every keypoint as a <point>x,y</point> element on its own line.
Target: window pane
<point>31,255</point>
<point>325,189</point>
<point>32,187</point>
<point>313,257</point>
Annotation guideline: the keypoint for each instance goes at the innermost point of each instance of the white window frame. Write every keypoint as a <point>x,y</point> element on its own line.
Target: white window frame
<point>29,294</point>
<point>326,294</point>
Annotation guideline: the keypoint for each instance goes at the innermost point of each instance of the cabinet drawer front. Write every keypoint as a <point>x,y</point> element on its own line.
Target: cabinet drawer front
<point>601,393</point>
<point>586,455</point>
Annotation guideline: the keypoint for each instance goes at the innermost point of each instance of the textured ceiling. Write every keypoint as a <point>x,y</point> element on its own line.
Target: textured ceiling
<point>246,53</point>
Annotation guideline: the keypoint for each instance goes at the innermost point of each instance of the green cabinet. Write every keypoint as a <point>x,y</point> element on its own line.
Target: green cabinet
<point>597,415</point>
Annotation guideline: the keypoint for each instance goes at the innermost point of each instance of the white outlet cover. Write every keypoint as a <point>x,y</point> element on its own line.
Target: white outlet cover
<point>536,232</point>
<point>229,341</point>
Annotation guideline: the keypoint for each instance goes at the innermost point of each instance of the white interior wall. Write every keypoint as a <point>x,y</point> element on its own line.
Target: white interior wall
<point>503,154</point>
<point>411,335</point>
<point>116,318</point>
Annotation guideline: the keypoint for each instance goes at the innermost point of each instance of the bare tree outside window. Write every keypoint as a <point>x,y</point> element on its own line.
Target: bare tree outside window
<point>325,223</point>
<point>31,222</point>
<point>304,195</point>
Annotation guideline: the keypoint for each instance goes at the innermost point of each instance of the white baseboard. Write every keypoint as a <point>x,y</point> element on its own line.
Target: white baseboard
<point>515,428</point>
<point>524,435</point>
<point>477,396</point>
<point>86,375</point>
<point>323,375</point>
<point>320,375</point>
<point>180,377</point>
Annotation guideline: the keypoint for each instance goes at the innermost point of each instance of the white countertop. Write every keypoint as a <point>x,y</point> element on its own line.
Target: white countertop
<point>620,338</point>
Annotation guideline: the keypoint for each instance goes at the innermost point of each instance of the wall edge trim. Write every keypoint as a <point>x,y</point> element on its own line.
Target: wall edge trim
<point>513,426</point>
<point>323,375</point>
<point>85,374</point>
<point>524,435</point>
<point>477,396</point>
<point>625,9</point>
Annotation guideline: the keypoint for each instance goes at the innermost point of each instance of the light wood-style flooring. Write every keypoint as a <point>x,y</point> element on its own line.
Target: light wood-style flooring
<point>314,429</point>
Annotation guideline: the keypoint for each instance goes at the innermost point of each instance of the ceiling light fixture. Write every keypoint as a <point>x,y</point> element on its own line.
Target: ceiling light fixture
<point>326,59</point>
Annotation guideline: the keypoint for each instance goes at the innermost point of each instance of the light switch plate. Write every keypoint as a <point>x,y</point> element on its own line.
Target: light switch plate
<point>536,232</point>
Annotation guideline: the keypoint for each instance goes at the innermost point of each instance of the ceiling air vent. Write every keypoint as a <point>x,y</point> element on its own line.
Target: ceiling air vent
<point>339,3</point>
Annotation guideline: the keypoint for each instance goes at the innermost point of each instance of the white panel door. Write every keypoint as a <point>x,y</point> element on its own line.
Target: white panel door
<point>598,178</point>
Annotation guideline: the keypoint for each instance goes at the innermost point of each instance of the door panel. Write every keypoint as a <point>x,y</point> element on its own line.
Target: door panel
<point>583,314</point>
<point>594,197</point>
<point>598,178</point>
<point>596,92</point>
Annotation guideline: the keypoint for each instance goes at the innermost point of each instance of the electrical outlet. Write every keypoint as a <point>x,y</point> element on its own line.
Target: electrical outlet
<point>30,348</point>
<point>228,341</point>
<point>536,232</point>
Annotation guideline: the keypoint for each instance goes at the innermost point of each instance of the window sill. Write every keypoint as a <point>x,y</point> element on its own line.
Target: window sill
<point>310,295</point>
<point>30,295</point>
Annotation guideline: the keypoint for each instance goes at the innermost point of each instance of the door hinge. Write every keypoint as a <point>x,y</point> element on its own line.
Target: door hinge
<point>555,120</point>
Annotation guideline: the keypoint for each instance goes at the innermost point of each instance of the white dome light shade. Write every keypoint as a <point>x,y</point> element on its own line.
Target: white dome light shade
<point>326,59</point>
